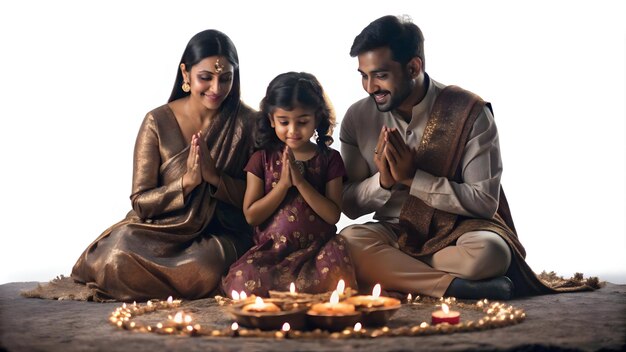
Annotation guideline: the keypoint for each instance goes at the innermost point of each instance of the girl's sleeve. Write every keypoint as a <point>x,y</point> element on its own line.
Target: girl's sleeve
<point>256,164</point>
<point>336,168</point>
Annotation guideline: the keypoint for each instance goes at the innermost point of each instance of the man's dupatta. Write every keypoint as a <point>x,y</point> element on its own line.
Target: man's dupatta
<point>425,230</point>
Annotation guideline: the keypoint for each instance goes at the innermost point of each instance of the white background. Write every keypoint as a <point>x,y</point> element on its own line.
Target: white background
<point>77,77</point>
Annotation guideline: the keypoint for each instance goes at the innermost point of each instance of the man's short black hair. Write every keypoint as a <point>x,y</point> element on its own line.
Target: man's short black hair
<point>403,37</point>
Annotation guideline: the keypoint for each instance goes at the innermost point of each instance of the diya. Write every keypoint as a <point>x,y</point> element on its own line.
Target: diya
<point>268,315</point>
<point>376,310</point>
<point>333,315</point>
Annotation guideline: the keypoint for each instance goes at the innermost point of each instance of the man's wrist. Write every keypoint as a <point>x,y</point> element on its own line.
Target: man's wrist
<point>385,185</point>
<point>407,182</point>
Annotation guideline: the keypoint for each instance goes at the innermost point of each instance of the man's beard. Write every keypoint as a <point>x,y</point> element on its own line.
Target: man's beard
<point>397,98</point>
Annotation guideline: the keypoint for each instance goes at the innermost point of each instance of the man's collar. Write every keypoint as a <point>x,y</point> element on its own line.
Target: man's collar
<point>421,108</point>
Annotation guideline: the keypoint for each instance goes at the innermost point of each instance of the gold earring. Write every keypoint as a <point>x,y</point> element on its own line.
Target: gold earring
<point>186,87</point>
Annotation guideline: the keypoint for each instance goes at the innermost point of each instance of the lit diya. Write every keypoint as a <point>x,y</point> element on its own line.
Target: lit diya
<point>333,315</point>
<point>375,300</point>
<point>259,306</point>
<point>267,315</point>
<point>376,309</point>
<point>333,307</point>
<point>292,296</point>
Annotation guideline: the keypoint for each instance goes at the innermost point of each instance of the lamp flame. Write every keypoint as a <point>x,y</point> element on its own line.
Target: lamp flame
<point>234,326</point>
<point>178,318</point>
<point>235,295</point>
<point>445,308</point>
<point>243,295</point>
<point>334,298</point>
<point>341,285</point>
<point>292,288</point>
<point>376,291</point>
<point>357,327</point>
<point>286,327</point>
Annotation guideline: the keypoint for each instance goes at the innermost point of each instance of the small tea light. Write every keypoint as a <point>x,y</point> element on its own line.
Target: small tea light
<point>172,302</point>
<point>178,318</point>
<point>234,328</point>
<point>333,307</point>
<point>445,315</point>
<point>181,320</point>
<point>260,306</point>
<point>286,327</point>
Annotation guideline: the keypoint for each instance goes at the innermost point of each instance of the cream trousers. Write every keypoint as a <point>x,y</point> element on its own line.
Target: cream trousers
<point>377,258</point>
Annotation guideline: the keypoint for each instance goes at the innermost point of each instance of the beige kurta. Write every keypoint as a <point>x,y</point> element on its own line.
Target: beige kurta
<point>170,244</point>
<point>476,196</point>
<point>456,190</point>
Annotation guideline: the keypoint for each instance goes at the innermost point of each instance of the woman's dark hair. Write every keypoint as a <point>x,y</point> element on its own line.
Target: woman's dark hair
<point>403,37</point>
<point>205,44</point>
<point>288,91</point>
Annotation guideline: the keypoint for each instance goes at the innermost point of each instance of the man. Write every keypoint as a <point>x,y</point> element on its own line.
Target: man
<point>425,159</point>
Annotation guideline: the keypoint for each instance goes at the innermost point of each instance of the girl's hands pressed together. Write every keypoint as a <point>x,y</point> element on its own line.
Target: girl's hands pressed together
<point>297,178</point>
<point>258,206</point>
<point>286,172</point>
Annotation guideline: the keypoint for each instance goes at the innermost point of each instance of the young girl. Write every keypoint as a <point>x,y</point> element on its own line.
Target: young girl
<point>293,195</point>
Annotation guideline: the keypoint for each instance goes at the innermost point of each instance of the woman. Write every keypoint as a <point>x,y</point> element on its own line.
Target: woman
<point>186,226</point>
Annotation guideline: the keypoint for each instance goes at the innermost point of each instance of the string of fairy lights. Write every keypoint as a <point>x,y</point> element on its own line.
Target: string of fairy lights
<point>496,315</point>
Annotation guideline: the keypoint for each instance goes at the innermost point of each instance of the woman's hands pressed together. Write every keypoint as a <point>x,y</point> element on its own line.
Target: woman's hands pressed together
<point>209,172</point>
<point>193,177</point>
<point>200,165</point>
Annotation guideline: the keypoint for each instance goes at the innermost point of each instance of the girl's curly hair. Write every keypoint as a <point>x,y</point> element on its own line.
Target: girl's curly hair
<point>288,91</point>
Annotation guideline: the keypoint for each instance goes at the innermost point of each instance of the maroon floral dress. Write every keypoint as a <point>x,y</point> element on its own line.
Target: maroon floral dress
<point>294,244</point>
